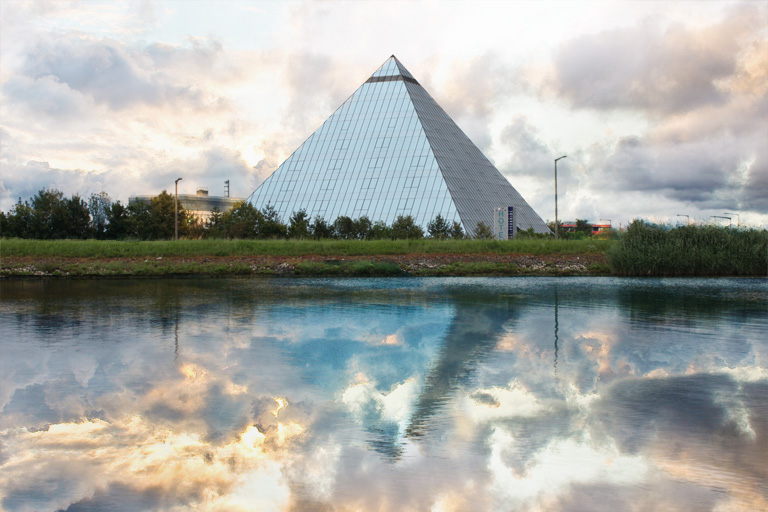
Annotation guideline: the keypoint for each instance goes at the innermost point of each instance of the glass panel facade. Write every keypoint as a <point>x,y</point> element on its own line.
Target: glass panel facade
<point>390,150</point>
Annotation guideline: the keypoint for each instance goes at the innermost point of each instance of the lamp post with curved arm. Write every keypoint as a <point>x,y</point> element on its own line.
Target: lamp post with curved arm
<point>738,219</point>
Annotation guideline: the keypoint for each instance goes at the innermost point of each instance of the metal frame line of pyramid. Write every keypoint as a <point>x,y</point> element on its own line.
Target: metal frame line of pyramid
<point>390,150</point>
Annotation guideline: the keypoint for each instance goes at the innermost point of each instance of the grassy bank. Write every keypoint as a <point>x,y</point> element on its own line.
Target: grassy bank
<point>652,250</point>
<point>89,258</point>
<point>644,250</point>
<point>291,248</point>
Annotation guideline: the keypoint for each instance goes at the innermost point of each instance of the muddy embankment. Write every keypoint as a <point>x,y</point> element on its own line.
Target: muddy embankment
<point>383,265</point>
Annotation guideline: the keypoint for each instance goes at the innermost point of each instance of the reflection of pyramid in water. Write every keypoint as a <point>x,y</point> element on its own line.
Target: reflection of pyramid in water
<point>390,150</point>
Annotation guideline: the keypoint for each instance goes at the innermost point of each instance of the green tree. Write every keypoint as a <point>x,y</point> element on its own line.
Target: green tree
<point>49,215</point>
<point>551,226</point>
<point>215,225</point>
<point>583,226</point>
<point>19,221</point>
<point>138,219</point>
<point>344,227</point>
<point>405,227</point>
<point>242,221</point>
<point>439,228</point>
<point>457,231</point>
<point>271,226</point>
<point>483,231</point>
<point>163,217</point>
<point>380,231</point>
<point>117,222</point>
<point>195,228</point>
<point>77,223</point>
<point>320,228</point>
<point>298,226</point>
<point>362,228</point>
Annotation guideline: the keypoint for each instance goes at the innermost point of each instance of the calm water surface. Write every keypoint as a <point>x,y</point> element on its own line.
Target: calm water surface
<point>457,394</point>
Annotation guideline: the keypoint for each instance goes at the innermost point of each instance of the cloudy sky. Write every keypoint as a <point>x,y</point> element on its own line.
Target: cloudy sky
<point>661,107</point>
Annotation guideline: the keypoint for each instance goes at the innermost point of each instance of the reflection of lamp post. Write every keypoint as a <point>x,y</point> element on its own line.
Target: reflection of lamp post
<point>738,219</point>
<point>721,217</point>
<point>557,235</point>
<point>556,329</point>
<point>610,224</point>
<point>176,212</point>
<point>687,218</point>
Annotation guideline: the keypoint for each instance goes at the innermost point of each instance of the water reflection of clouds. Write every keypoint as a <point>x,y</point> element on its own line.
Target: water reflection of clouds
<point>449,400</point>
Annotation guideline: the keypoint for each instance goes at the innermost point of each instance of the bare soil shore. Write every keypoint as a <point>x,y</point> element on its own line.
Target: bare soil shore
<point>309,265</point>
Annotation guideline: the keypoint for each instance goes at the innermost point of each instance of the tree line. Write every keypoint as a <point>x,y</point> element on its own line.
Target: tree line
<point>50,215</point>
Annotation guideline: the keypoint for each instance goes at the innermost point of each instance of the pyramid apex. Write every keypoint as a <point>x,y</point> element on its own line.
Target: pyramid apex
<point>392,67</point>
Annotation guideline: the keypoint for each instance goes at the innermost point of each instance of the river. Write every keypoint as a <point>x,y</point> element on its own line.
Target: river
<point>443,394</point>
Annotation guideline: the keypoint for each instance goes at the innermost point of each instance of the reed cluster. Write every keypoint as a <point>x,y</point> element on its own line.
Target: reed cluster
<point>656,250</point>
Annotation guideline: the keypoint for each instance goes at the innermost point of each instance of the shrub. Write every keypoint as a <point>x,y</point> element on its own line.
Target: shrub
<point>483,231</point>
<point>439,228</point>
<point>406,228</point>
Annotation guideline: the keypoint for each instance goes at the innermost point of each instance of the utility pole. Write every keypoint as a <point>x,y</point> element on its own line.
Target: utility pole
<point>226,187</point>
<point>176,212</point>
<point>557,234</point>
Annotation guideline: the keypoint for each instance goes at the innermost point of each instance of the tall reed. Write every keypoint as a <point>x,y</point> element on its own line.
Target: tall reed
<point>654,250</point>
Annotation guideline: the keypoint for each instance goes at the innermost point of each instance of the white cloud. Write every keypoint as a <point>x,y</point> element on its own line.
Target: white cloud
<point>560,465</point>
<point>134,93</point>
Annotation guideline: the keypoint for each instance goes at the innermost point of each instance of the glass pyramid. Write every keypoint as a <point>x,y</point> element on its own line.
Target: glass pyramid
<point>390,150</point>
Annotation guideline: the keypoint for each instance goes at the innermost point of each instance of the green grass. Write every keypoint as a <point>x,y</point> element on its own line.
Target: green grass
<point>132,249</point>
<point>644,250</point>
<point>652,250</point>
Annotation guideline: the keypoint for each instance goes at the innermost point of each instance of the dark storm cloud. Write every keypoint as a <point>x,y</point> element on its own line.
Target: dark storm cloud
<point>664,70</point>
<point>636,411</point>
<point>719,171</point>
<point>667,495</point>
<point>61,71</point>
<point>702,417</point>
<point>689,171</point>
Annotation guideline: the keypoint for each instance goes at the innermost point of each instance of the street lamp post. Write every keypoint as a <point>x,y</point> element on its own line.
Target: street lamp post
<point>738,219</point>
<point>557,233</point>
<point>687,218</point>
<point>176,211</point>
